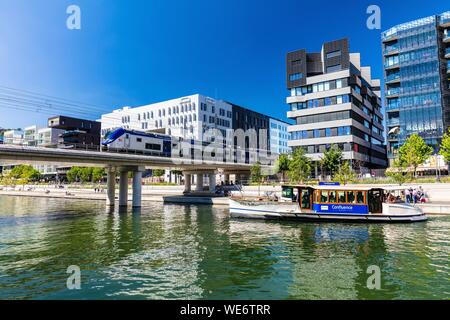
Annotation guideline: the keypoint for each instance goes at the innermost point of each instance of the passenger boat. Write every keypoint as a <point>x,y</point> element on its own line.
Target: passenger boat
<point>331,203</point>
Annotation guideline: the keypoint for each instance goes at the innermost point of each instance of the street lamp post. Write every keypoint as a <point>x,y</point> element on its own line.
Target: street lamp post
<point>437,168</point>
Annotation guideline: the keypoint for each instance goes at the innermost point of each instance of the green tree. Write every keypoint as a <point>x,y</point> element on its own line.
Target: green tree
<point>345,173</point>
<point>85,174</point>
<point>445,147</point>
<point>98,174</point>
<point>299,166</point>
<point>256,175</point>
<point>282,165</point>
<point>398,172</point>
<point>16,172</point>
<point>157,172</point>
<point>332,159</point>
<point>7,180</point>
<point>414,152</point>
<point>25,173</point>
<point>73,174</point>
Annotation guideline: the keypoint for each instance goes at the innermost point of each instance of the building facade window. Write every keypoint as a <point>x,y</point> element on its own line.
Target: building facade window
<point>319,87</point>
<point>295,76</point>
<point>321,133</point>
<point>334,68</point>
<point>333,54</point>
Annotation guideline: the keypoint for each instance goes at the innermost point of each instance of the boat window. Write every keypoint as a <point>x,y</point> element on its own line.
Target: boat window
<point>360,197</point>
<point>306,199</point>
<point>351,197</point>
<point>287,193</point>
<point>341,197</point>
<point>324,196</point>
<point>332,196</point>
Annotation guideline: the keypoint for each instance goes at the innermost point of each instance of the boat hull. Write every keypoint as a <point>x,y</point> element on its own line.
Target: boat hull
<point>273,212</point>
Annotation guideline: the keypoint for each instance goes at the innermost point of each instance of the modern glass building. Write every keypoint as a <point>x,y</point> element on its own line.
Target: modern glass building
<point>416,73</point>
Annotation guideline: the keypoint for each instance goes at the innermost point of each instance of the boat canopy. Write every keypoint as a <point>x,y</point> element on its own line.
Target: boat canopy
<point>332,187</point>
<point>348,187</point>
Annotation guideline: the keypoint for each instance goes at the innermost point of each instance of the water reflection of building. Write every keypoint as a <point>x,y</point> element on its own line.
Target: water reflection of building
<point>163,260</point>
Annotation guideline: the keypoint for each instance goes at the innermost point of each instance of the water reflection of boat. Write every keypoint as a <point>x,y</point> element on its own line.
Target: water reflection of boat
<point>359,234</point>
<point>259,229</point>
<point>254,229</point>
<point>330,203</point>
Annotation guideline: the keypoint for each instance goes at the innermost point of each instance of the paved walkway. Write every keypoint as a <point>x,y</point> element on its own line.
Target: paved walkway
<point>432,208</point>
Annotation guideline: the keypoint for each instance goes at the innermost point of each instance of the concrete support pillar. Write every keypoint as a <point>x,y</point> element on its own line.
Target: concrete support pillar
<point>187,182</point>
<point>123,188</point>
<point>199,186</point>
<point>212,182</point>
<point>137,188</point>
<point>111,187</point>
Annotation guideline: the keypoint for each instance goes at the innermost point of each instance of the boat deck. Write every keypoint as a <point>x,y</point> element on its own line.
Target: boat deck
<point>273,210</point>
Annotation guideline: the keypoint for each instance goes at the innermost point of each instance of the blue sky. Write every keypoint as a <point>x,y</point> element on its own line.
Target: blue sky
<point>139,52</point>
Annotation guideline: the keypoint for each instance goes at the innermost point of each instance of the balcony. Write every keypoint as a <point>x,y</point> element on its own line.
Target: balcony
<point>447,53</point>
<point>390,50</point>
<point>393,122</point>
<point>393,78</point>
<point>392,93</point>
<point>389,35</point>
<point>392,66</point>
<point>446,38</point>
<point>392,105</point>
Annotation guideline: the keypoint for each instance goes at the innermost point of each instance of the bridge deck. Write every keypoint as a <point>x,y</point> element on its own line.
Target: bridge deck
<point>24,154</point>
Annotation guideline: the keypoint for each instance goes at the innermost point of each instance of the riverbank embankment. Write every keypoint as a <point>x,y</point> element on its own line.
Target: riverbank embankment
<point>437,193</point>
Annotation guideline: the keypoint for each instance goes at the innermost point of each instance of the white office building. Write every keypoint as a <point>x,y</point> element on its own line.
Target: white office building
<point>33,136</point>
<point>187,117</point>
<point>191,116</point>
<point>48,137</point>
<point>30,135</point>
<point>13,137</point>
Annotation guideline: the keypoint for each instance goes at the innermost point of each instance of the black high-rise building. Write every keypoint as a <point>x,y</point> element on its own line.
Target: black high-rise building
<point>335,101</point>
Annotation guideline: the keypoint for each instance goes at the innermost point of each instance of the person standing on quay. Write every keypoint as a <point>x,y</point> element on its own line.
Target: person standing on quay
<point>407,196</point>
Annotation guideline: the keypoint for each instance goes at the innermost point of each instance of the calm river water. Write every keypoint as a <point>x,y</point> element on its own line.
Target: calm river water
<point>198,252</point>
